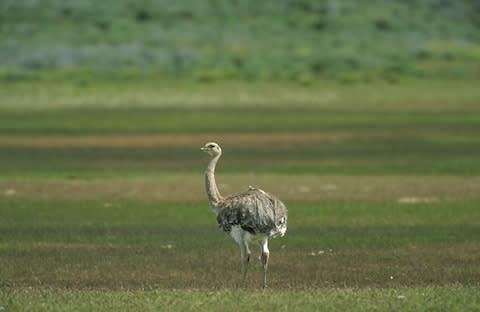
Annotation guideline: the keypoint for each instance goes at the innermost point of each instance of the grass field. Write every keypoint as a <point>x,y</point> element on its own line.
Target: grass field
<point>102,203</point>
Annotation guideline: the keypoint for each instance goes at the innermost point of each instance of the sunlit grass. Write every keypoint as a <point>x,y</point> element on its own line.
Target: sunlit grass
<point>435,298</point>
<point>324,95</point>
<point>136,244</point>
<point>381,151</point>
<point>380,180</point>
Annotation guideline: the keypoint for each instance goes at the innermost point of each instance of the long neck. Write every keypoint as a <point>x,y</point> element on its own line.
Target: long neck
<point>214,196</point>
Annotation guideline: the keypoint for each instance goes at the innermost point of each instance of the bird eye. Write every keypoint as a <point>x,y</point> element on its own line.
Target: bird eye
<point>211,146</point>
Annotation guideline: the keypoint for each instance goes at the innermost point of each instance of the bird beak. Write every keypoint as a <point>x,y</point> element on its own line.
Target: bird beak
<point>203,148</point>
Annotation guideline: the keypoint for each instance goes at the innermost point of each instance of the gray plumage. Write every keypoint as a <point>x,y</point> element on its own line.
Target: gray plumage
<point>251,214</point>
<point>255,211</point>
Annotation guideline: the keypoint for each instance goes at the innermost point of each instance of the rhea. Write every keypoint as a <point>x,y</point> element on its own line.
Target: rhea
<point>251,215</point>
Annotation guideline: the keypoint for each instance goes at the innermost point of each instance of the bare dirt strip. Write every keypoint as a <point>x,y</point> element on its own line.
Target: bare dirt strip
<point>116,140</point>
<point>402,189</point>
<point>171,139</point>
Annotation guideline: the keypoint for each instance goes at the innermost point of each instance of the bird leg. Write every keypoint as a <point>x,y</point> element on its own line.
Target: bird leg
<point>245,258</point>
<point>264,258</point>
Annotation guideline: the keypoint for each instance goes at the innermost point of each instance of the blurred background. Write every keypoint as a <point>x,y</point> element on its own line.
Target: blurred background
<point>300,41</point>
<point>348,81</point>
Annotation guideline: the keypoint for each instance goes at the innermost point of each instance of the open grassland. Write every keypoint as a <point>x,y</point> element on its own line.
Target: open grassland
<point>102,204</point>
<point>292,187</point>
<point>184,95</point>
<point>411,129</point>
<point>455,298</point>
<point>405,256</point>
<point>442,144</point>
<point>163,244</point>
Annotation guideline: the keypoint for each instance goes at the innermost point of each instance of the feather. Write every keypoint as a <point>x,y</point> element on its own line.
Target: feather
<point>251,212</point>
<point>255,211</point>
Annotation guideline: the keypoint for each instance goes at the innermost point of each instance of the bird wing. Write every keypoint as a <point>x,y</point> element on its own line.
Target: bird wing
<point>254,211</point>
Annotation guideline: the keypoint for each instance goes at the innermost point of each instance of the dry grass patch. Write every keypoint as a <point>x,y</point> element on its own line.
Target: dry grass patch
<point>150,140</point>
<point>177,139</point>
<point>402,189</point>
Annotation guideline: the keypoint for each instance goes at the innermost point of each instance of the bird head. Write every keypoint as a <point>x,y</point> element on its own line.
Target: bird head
<point>212,149</point>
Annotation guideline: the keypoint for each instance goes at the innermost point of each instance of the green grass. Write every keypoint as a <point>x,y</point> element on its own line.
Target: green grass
<point>136,121</point>
<point>84,164</point>
<point>136,245</point>
<point>405,153</point>
<point>69,255</point>
<point>449,298</point>
<point>413,95</point>
<point>425,128</point>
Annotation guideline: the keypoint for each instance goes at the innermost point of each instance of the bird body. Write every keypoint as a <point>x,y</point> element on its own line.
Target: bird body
<point>245,216</point>
<point>255,211</point>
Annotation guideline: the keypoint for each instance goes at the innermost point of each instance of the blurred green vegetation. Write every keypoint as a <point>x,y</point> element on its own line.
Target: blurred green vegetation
<point>350,41</point>
<point>400,143</point>
<point>416,127</point>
